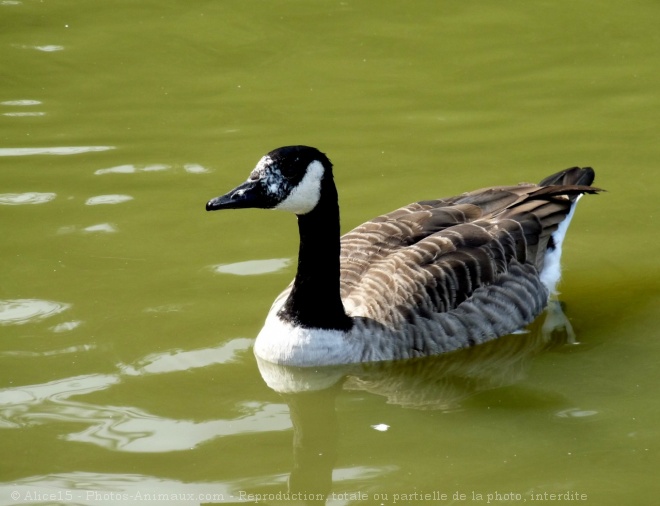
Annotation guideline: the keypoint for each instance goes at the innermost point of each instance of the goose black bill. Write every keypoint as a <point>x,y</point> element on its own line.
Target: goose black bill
<point>250,194</point>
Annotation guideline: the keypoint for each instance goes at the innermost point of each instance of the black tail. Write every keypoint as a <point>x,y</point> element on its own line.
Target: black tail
<point>570,183</point>
<point>574,176</point>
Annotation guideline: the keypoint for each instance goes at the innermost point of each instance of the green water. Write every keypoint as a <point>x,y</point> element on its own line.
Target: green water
<point>127,314</point>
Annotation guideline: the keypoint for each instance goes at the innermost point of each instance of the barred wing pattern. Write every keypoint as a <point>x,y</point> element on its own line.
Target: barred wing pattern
<point>450,273</point>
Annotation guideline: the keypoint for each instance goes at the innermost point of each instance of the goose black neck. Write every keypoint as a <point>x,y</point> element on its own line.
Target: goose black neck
<point>314,301</point>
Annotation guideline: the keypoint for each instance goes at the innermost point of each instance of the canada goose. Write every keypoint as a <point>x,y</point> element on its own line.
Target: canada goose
<point>431,277</point>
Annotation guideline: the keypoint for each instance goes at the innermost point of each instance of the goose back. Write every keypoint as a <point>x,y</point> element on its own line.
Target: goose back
<point>428,257</point>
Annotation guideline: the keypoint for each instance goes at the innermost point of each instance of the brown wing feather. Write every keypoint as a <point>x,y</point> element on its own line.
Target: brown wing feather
<point>430,256</point>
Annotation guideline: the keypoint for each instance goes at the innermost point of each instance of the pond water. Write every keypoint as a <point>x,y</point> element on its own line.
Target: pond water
<point>128,313</point>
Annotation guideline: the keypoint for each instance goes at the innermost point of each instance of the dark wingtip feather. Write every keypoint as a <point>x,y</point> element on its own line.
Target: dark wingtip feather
<point>575,176</point>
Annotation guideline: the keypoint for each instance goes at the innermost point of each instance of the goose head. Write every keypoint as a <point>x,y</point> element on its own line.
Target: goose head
<point>290,178</point>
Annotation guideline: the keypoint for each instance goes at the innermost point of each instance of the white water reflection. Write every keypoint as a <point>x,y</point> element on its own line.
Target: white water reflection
<point>48,48</point>
<point>166,308</point>
<point>182,360</point>
<point>20,114</point>
<point>20,102</point>
<point>22,311</point>
<point>63,150</point>
<point>252,267</point>
<point>107,228</point>
<point>83,348</point>
<point>134,430</point>
<point>66,326</point>
<point>576,413</point>
<point>131,429</point>
<point>20,399</point>
<point>194,168</point>
<point>129,168</point>
<point>132,169</point>
<point>107,199</point>
<point>17,199</point>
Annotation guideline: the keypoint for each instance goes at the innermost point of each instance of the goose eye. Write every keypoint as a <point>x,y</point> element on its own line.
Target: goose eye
<point>288,170</point>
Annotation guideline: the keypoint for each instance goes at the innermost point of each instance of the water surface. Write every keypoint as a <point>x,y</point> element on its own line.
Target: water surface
<point>127,313</point>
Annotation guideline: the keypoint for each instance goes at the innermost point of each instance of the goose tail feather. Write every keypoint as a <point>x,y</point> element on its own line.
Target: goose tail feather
<point>575,176</point>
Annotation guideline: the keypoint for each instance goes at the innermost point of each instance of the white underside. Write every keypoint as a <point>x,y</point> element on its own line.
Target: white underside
<point>551,272</point>
<point>282,343</point>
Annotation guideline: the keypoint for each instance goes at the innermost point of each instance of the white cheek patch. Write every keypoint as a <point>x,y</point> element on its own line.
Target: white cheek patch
<point>304,197</point>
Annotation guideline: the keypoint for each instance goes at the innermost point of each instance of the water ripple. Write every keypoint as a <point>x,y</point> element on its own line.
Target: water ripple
<point>252,267</point>
<point>130,428</point>
<point>576,413</point>
<point>66,326</point>
<point>23,114</point>
<point>133,430</point>
<point>62,150</point>
<point>107,199</point>
<point>107,228</point>
<point>16,199</point>
<point>21,102</point>
<point>132,169</point>
<point>125,428</point>
<point>183,360</point>
<point>21,311</point>
<point>83,348</point>
<point>48,48</point>
<point>195,168</point>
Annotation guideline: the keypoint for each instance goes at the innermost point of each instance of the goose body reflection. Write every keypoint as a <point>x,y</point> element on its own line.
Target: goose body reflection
<point>447,383</point>
<point>428,278</point>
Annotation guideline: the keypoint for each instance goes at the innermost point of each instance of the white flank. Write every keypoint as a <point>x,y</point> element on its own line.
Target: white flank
<point>304,197</point>
<point>552,262</point>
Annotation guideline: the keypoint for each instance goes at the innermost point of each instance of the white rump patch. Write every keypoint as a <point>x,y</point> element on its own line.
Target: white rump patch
<point>551,272</point>
<point>304,197</point>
